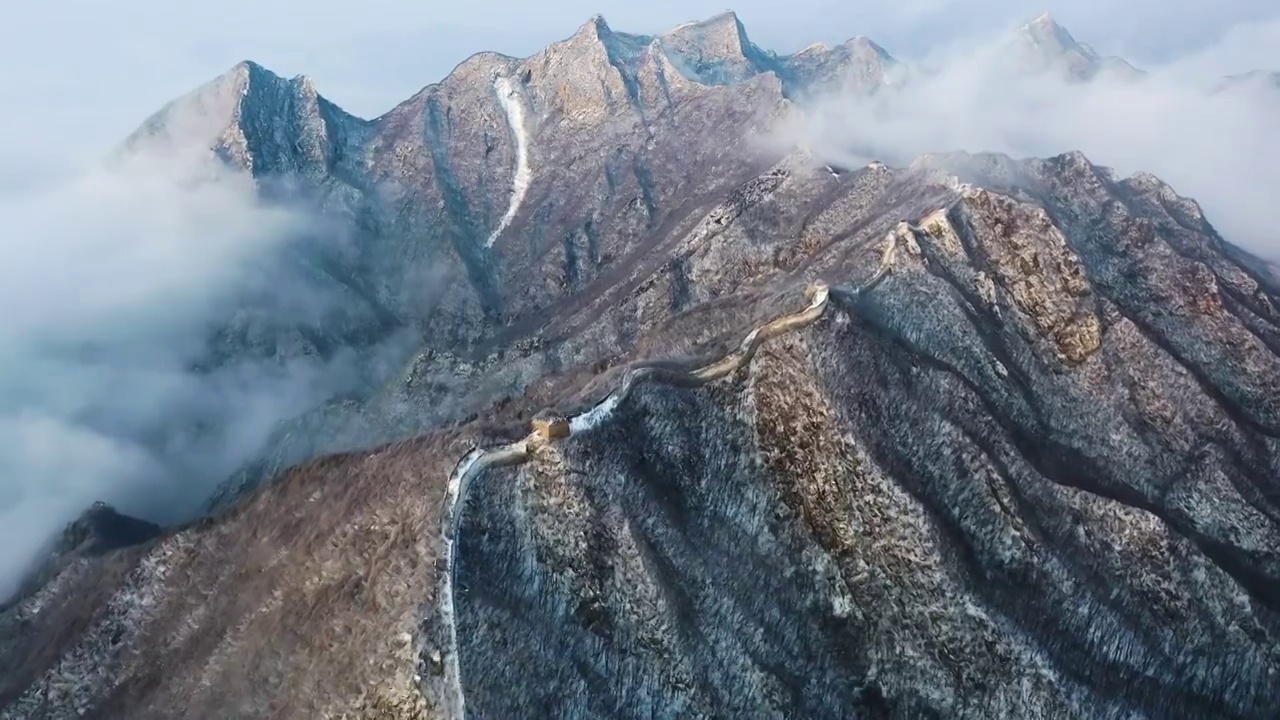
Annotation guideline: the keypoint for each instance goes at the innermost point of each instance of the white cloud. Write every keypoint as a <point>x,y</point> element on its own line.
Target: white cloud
<point>1244,47</point>
<point>1222,149</point>
<point>112,280</point>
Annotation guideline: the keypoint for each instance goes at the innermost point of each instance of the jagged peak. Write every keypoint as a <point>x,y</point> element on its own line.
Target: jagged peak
<point>248,77</point>
<point>715,51</point>
<point>1053,44</point>
<point>727,18</point>
<point>864,44</point>
<point>242,69</point>
<point>235,76</point>
<point>1047,33</point>
<point>256,75</point>
<point>212,118</point>
<point>596,28</point>
<point>725,27</point>
<point>593,39</point>
<point>203,115</point>
<point>249,66</point>
<point>253,71</point>
<point>724,18</point>
<point>596,33</point>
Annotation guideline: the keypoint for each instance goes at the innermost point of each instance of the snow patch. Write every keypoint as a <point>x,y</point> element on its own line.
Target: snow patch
<point>514,453</point>
<point>594,416</point>
<point>453,672</point>
<point>509,98</point>
<point>455,480</point>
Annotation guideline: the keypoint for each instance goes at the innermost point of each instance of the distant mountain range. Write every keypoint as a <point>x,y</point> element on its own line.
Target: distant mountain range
<point>587,147</point>
<point>1031,473</point>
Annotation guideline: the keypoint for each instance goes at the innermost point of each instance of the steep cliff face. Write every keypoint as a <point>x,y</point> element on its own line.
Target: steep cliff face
<point>1021,461</point>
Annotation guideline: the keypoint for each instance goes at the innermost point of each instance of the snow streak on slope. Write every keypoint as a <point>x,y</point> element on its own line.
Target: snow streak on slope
<point>478,460</point>
<point>596,415</point>
<point>453,680</point>
<point>509,98</point>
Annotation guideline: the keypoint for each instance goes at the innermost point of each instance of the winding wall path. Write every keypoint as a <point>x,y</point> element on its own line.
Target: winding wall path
<point>546,431</point>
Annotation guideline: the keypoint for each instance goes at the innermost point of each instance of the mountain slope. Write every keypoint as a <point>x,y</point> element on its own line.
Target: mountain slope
<point>1029,472</point>
<point>593,150</point>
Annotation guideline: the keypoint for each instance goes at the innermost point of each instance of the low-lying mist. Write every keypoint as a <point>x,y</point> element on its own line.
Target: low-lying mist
<point>1213,140</point>
<point>115,279</point>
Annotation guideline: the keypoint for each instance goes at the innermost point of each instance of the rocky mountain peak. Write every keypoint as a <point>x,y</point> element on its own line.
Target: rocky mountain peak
<point>250,81</point>
<point>239,115</point>
<point>1046,32</point>
<point>213,115</point>
<point>715,51</point>
<point>595,30</point>
<point>203,118</point>
<point>1044,44</point>
<point>258,74</point>
<point>725,27</point>
<point>864,45</point>
<point>815,48</point>
<point>857,66</point>
<point>583,78</point>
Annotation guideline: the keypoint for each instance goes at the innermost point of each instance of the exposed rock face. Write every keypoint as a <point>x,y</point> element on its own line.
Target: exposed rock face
<point>1031,473</point>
